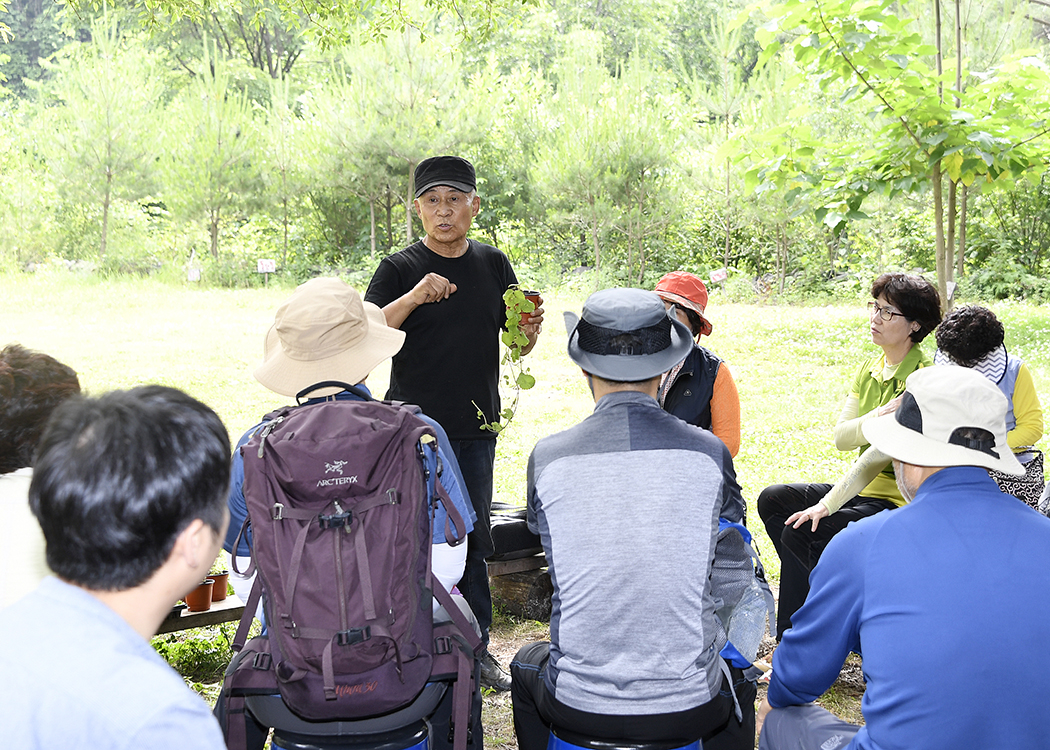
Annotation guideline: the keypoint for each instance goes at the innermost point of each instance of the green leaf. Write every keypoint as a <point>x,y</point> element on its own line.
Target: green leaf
<point>525,381</point>
<point>901,60</point>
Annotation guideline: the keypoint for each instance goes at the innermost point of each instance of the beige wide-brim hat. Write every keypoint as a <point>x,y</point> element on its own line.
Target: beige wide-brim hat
<point>949,416</point>
<point>325,331</point>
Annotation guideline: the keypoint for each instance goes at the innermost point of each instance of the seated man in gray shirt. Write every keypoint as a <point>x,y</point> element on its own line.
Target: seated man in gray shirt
<point>130,491</point>
<point>627,504</point>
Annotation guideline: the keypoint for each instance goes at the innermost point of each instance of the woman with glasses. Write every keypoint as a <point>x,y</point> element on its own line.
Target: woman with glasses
<point>700,390</point>
<point>903,310</point>
<point>973,337</point>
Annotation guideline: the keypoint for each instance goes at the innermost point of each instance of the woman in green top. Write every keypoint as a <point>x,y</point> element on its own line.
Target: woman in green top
<point>903,310</point>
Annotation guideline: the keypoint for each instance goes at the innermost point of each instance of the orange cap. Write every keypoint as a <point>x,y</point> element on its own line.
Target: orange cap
<point>685,289</point>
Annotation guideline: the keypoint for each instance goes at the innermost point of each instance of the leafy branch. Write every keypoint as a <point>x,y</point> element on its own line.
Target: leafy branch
<point>515,374</point>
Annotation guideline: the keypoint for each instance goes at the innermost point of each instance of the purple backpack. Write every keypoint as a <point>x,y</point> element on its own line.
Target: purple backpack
<point>338,503</point>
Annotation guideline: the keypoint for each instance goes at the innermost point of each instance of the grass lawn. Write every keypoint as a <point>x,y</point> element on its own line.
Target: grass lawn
<point>792,365</point>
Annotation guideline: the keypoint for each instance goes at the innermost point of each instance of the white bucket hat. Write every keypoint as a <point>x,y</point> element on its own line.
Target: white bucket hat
<point>949,416</point>
<point>324,331</point>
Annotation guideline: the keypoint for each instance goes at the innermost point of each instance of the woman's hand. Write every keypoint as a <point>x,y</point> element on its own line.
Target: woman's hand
<point>760,715</point>
<point>812,514</point>
<point>890,406</point>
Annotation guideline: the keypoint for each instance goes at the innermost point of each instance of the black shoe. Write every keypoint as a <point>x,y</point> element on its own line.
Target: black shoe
<point>492,674</point>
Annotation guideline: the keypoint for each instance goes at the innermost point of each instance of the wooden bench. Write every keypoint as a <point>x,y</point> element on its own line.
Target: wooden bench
<point>228,610</point>
<point>522,586</point>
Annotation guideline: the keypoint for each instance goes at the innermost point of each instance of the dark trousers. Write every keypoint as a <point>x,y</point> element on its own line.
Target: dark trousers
<point>476,459</point>
<point>535,710</point>
<point>800,549</point>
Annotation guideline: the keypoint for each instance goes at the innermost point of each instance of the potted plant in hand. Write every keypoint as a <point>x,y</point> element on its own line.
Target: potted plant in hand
<point>515,374</point>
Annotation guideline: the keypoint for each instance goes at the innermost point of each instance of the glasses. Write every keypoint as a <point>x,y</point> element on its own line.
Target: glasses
<point>883,312</point>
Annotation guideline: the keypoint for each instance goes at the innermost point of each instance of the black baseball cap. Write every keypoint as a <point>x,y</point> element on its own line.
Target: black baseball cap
<point>451,171</point>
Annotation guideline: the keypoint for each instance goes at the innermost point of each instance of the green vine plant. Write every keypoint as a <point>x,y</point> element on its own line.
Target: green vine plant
<point>514,373</point>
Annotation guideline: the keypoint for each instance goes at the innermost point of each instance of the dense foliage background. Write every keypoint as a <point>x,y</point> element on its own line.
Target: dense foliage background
<point>802,146</point>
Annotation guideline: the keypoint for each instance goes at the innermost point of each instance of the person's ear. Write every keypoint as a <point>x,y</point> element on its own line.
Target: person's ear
<point>193,544</point>
<point>415,204</point>
<point>475,205</point>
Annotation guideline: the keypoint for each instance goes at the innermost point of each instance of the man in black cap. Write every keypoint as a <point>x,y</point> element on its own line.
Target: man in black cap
<point>627,504</point>
<point>446,293</point>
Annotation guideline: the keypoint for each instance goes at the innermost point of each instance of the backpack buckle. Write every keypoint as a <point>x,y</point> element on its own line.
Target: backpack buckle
<point>392,496</point>
<point>353,635</point>
<point>443,644</point>
<point>337,520</point>
<point>262,661</point>
<point>277,511</point>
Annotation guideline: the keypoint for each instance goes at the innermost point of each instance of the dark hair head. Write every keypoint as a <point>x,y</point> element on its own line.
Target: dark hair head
<point>696,323</point>
<point>31,386</point>
<point>914,296</point>
<point>968,334</point>
<point>118,478</point>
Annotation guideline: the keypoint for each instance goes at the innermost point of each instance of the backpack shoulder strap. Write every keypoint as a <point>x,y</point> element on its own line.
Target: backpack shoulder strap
<point>457,642</point>
<point>250,673</point>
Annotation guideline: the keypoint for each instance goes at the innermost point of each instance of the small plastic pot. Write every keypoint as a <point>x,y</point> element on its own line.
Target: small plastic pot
<point>533,297</point>
<point>218,591</point>
<point>199,600</point>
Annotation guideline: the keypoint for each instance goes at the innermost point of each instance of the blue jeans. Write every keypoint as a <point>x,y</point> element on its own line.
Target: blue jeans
<point>476,459</point>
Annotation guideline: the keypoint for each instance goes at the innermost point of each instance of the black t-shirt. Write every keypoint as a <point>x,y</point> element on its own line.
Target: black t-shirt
<point>451,353</point>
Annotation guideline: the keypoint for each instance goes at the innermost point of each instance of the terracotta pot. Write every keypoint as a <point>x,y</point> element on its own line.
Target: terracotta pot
<point>218,591</point>
<point>199,600</point>
<point>533,297</point>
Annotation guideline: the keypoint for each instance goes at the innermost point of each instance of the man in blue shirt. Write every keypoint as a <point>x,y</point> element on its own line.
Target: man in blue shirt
<point>129,490</point>
<point>944,598</point>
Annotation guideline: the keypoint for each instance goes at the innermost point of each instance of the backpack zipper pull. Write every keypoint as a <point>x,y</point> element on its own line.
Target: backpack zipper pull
<point>266,430</point>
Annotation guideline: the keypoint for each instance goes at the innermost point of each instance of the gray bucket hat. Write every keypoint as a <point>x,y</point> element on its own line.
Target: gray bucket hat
<point>626,335</point>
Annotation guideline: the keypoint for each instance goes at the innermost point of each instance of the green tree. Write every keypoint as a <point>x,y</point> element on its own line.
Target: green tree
<point>35,30</point>
<point>212,136</point>
<point>867,51</point>
<point>103,146</point>
<point>286,140</point>
<point>333,23</point>
<point>572,165</point>
<point>719,99</point>
<point>27,192</point>
<point>409,97</point>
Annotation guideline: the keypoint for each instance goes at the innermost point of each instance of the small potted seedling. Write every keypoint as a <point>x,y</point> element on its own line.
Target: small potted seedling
<point>220,576</point>
<point>515,374</point>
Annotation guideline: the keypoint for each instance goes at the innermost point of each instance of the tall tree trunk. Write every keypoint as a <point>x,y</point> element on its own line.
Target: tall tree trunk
<point>214,227</point>
<point>949,240</point>
<point>938,223</point>
<point>284,214</point>
<point>372,224</point>
<point>408,203</point>
<point>388,204</point>
<point>940,49</point>
<point>961,250</point>
<point>105,216</point>
<point>284,209</point>
<point>960,257</point>
<point>594,241</point>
